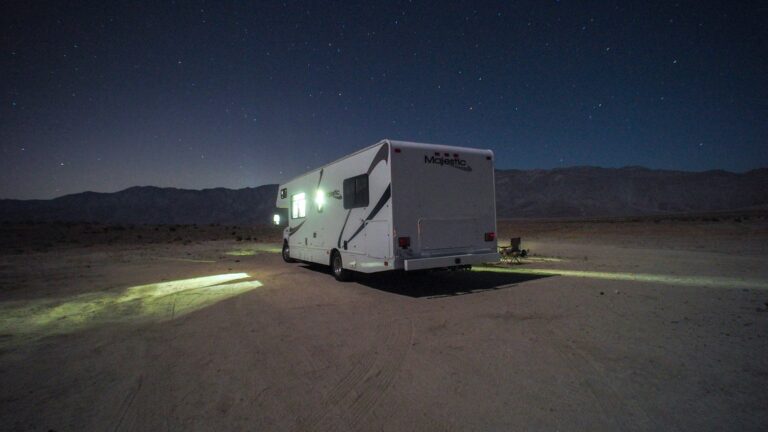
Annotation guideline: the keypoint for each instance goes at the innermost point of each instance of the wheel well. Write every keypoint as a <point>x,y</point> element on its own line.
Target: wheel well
<point>330,258</point>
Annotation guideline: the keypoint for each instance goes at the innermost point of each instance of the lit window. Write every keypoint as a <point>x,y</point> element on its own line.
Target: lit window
<point>299,205</point>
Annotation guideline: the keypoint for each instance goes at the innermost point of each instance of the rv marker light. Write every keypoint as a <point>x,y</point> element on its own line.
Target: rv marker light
<point>490,236</point>
<point>404,242</point>
<point>276,219</point>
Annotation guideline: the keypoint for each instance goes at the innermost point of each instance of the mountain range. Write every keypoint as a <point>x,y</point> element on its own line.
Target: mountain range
<point>630,191</point>
<point>573,192</point>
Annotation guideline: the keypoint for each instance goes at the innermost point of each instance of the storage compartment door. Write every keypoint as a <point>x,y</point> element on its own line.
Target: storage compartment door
<point>378,240</point>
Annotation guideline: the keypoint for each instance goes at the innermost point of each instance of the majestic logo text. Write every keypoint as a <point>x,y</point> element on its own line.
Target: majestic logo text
<point>455,163</point>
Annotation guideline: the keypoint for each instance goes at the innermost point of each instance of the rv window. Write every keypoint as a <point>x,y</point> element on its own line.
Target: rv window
<point>356,192</point>
<point>361,191</point>
<point>298,205</point>
<point>349,193</point>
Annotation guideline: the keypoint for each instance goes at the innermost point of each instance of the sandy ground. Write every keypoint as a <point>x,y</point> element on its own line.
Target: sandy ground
<point>649,327</point>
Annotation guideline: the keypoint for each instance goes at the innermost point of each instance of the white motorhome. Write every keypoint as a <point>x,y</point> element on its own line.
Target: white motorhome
<point>393,206</point>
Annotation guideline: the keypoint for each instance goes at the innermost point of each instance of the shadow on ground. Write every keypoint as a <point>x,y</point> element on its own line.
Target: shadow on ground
<point>439,283</point>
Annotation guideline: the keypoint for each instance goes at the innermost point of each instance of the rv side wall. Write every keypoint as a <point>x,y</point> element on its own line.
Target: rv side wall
<point>319,222</point>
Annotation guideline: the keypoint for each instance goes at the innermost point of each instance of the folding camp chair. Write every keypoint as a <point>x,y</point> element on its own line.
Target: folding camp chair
<point>512,253</point>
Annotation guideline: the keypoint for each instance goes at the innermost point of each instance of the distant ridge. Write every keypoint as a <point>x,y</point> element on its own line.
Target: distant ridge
<point>555,193</point>
<point>151,205</point>
<point>630,191</point>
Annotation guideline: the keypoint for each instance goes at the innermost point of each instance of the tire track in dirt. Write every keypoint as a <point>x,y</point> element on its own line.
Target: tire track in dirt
<point>351,400</point>
<point>149,408</point>
<point>618,411</point>
<point>127,403</point>
<point>386,370</point>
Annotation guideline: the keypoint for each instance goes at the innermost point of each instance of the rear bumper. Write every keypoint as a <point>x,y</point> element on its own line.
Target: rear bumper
<point>449,261</point>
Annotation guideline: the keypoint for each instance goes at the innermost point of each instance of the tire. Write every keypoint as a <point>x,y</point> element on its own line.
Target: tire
<point>337,268</point>
<point>287,253</point>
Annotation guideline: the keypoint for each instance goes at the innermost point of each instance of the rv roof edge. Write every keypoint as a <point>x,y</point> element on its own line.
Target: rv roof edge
<point>392,142</point>
<point>337,160</point>
<point>441,147</point>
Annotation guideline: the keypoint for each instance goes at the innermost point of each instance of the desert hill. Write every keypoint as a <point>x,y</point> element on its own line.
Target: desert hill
<point>556,193</point>
<point>151,205</point>
<point>629,191</point>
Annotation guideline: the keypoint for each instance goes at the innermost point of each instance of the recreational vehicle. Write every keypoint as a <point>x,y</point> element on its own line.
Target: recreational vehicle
<point>393,206</point>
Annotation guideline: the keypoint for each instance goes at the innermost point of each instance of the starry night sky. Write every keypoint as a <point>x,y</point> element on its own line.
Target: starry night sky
<point>100,96</point>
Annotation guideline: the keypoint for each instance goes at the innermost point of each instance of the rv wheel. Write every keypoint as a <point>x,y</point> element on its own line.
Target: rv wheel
<point>339,272</point>
<point>287,253</point>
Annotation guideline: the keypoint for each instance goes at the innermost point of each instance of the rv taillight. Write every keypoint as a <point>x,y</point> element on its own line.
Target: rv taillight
<point>404,242</point>
<point>491,236</point>
<point>397,150</point>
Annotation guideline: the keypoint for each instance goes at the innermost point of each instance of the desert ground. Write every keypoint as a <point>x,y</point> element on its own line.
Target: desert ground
<point>621,324</point>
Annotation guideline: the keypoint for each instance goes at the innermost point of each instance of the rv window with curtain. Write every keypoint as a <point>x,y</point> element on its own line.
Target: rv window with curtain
<point>299,206</point>
<point>356,192</point>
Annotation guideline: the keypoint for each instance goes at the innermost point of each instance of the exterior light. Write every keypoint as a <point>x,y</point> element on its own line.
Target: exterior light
<point>276,219</point>
<point>320,200</point>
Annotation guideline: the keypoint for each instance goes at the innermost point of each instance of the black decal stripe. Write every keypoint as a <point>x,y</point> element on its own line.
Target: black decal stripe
<point>320,179</point>
<point>293,230</point>
<point>381,155</point>
<point>341,233</point>
<point>379,205</point>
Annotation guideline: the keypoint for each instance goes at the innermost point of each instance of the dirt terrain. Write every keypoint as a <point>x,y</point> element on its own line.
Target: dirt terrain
<point>608,325</point>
